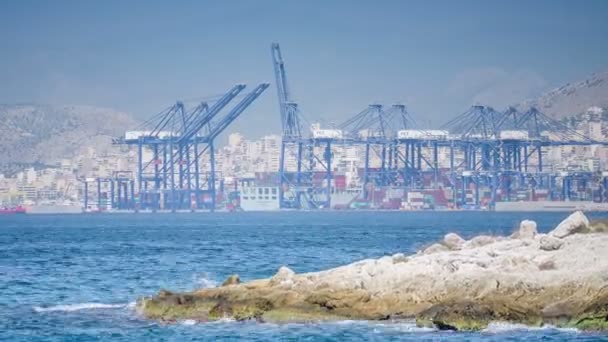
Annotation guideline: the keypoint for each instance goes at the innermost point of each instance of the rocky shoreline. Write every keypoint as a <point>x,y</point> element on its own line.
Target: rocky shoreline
<point>559,278</point>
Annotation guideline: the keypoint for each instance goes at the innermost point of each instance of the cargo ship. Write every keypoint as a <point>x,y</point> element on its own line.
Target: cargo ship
<point>13,210</point>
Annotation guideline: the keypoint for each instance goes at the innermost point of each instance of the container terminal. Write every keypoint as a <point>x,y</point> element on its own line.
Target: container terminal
<point>483,159</point>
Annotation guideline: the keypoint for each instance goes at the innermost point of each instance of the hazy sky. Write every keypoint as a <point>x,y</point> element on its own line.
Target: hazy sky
<point>436,57</point>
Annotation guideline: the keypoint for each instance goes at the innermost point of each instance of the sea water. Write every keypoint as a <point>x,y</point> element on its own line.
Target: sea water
<point>77,277</point>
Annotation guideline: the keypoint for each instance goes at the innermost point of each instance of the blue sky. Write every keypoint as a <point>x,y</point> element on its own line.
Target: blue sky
<point>437,57</point>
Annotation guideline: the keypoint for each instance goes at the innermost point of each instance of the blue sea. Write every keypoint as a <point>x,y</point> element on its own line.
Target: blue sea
<point>76,277</point>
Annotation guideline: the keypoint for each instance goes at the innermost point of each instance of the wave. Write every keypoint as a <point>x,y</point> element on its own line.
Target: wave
<point>205,281</point>
<point>188,322</point>
<point>501,327</point>
<point>405,326</point>
<point>82,306</point>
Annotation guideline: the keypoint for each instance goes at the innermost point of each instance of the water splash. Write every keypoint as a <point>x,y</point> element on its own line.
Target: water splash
<point>502,327</point>
<point>80,306</point>
<point>204,280</point>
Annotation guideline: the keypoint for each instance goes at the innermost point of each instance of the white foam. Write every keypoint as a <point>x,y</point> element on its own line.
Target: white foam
<point>502,327</point>
<point>188,322</point>
<point>403,326</point>
<point>204,281</point>
<point>78,307</point>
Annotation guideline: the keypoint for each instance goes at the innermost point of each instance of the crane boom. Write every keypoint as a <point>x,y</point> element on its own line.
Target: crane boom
<point>196,126</point>
<point>289,116</point>
<point>237,110</point>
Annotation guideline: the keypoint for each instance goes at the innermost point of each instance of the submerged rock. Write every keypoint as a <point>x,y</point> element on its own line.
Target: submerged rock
<point>485,280</point>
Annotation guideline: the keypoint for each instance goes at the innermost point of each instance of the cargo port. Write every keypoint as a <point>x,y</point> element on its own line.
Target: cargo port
<point>379,159</point>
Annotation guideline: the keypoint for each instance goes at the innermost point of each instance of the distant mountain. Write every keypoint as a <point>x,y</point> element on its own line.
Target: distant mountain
<point>32,134</point>
<point>573,98</point>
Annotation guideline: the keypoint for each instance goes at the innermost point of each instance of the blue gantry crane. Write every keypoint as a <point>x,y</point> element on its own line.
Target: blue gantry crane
<point>177,139</point>
<point>297,182</point>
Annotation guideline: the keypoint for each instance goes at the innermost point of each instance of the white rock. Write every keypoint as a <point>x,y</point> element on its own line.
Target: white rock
<point>573,224</point>
<point>527,230</point>
<point>550,243</point>
<point>399,257</point>
<point>484,267</point>
<point>434,248</point>
<point>453,241</point>
<point>283,275</point>
<point>478,241</point>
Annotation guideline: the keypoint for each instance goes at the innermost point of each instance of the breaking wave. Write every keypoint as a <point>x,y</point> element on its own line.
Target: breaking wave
<point>502,327</point>
<point>205,281</point>
<point>82,306</point>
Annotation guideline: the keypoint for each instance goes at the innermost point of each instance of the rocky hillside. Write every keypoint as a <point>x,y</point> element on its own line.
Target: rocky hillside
<point>574,98</point>
<point>33,134</point>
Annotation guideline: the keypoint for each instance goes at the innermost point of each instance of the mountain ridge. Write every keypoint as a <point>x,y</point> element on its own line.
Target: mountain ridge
<point>38,134</point>
<point>572,98</point>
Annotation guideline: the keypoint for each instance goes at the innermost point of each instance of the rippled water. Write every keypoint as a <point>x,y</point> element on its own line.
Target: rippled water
<point>77,277</point>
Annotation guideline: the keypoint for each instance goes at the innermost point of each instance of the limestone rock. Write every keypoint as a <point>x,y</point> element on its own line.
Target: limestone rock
<point>550,243</point>
<point>527,230</point>
<point>488,280</point>
<point>453,241</point>
<point>546,265</point>
<point>479,241</point>
<point>575,223</point>
<point>434,248</point>
<point>284,274</point>
<point>599,226</point>
<point>399,257</point>
<point>232,280</point>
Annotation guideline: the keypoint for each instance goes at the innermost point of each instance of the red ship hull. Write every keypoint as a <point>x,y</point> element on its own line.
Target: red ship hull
<point>16,210</point>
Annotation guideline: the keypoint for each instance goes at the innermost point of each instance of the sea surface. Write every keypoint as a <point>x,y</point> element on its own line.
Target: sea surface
<point>76,277</point>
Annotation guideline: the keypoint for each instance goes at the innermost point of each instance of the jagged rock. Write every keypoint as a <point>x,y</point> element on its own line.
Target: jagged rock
<point>478,241</point>
<point>527,230</point>
<point>399,257</point>
<point>434,248</point>
<point>549,243</point>
<point>453,241</point>
<point>575,223</point>
<point>232,280</point>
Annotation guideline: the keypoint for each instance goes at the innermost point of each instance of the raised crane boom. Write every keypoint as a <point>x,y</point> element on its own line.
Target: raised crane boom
<point>237,110</point>
<point>289,111</point>
<point>198,124</point>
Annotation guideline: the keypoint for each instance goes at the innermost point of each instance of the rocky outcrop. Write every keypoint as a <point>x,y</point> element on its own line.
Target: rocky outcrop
<point>575,223</point>
<point>232,280</point>
<point>533,279</point>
